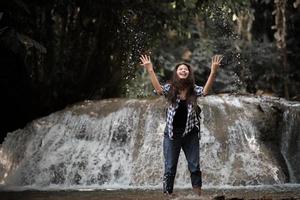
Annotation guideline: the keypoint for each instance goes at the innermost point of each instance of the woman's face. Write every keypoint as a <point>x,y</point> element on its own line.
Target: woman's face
<point>182,72</point>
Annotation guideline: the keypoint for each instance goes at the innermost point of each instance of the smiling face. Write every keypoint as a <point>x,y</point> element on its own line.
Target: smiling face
<point>182,71</point>
<point>182,80</point>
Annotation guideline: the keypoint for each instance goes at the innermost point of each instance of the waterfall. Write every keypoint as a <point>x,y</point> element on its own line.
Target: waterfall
<point>245,140</point>
<point>290,142</point>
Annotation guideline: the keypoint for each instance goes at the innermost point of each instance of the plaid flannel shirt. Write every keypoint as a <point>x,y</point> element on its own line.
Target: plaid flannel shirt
<point>191,121</point>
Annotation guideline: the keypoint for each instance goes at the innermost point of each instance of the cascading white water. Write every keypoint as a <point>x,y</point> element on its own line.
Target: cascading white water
<point>290,142</point>
<point>118,143</point>
<point>239,158</point>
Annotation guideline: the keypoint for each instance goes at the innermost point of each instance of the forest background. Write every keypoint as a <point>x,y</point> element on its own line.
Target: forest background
<point>59,52</point>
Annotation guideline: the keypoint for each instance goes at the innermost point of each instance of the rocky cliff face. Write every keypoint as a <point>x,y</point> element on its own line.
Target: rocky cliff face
<point>245,140</point>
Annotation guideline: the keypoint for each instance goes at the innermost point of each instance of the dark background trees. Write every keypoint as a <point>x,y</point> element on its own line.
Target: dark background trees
<point>56,53</point>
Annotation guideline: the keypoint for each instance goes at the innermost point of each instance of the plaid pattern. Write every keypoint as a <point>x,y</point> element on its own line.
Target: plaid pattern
<point>171,110</point>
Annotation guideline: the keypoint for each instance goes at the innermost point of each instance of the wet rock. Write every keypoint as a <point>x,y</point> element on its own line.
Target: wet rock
<point>58,173</point>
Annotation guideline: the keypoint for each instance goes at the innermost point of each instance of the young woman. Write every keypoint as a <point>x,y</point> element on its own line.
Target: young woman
<point>182,125</point>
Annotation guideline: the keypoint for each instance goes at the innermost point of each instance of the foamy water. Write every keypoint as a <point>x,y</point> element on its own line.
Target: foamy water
<point>117,143</point>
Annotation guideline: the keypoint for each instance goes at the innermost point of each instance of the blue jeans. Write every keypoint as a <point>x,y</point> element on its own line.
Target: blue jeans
<point>190,147</point>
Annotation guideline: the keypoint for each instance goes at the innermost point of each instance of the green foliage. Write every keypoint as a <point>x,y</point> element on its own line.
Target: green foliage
<point>78,50</point>
<point>252,63</point>
<point>206,30</point>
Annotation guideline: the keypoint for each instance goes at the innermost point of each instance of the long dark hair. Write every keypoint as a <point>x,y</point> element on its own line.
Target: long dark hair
<point>180,84</point>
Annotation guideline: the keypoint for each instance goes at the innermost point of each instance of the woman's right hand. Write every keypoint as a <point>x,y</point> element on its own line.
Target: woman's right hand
<point>146,62</point>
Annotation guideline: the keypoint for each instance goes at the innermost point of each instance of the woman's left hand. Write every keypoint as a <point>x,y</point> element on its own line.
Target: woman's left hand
<point>215,63</point>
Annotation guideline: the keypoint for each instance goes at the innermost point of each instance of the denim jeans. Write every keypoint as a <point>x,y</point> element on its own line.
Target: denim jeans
<point>190,147</point>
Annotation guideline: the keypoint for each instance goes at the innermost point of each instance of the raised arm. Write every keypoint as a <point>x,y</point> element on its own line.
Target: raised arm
<point>215,64</point>
<point>146,62</point>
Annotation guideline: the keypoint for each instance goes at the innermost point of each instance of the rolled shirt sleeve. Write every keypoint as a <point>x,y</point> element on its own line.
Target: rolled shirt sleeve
<point>198,90</point>
<point>165,89</point>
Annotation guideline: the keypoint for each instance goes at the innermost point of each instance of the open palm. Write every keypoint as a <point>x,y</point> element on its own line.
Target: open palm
<point>216,62</point>
<point>146,62</point>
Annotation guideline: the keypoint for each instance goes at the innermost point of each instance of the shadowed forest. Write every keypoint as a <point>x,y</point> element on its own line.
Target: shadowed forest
<point>56,53</point>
